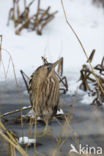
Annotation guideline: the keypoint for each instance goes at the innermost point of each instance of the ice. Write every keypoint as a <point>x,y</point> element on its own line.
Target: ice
<point>31,113</point>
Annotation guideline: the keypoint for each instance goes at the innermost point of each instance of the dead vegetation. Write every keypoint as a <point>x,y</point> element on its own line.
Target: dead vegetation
<point>23,19</point>
<point>7,135</point>
<point>86,74</point>
<point>0,45</point>
<point>89,83</point>
<point>63,89</point>
<point>86,71</point>
<point>98,2</point>
<point>10,137</point>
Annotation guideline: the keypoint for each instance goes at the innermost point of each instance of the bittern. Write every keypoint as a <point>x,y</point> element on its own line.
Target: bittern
<point>44,91</point>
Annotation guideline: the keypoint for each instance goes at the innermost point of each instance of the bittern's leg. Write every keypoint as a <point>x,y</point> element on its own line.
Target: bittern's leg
<point>46,130</point>
<point>63,80</point>
<point>26,83</point>
<point>63,90</point>
<point>24,75</point>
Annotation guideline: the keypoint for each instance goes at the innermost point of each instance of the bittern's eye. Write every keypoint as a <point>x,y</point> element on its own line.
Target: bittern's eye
<point>49,68</point>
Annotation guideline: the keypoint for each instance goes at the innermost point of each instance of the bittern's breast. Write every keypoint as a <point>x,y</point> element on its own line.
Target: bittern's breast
<point>45,94</point>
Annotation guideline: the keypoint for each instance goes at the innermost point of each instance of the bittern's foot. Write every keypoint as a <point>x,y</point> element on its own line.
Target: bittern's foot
<point>45,132</point>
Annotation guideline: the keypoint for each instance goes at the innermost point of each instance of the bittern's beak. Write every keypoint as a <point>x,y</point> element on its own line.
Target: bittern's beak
<point>59,63</point>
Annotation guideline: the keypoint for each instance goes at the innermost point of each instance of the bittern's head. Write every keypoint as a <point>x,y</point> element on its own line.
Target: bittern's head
<point>49,68</point>
<point>46,70</point>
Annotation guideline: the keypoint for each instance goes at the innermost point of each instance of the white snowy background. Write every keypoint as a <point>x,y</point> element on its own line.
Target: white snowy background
<point>57,39</point>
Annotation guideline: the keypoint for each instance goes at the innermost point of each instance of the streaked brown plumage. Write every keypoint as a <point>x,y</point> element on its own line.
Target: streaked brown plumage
<point>44,90</point>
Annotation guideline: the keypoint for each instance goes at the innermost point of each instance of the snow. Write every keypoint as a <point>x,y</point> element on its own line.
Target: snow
<point>25,140</point>
<point>87,99</point>
<point>60,112</point>
<point>31,114</point>
<point>57,39</point>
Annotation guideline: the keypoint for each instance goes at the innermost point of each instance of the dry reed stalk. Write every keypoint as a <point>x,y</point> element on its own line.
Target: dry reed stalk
<point>25,23</point>
<point>39,31</point>
<point>35,127</point>
<point>15,111</point>
<point>17,86</point>
<point>5,75</point>
<point>45,12</point>
<point>37,13</point>
<point>14,13</point>
<point>99,84</point>
<point>0,46</point>
<point>36,21</point>
<point>47,20</point>
<point>65,129</point>
<point>8,68</point>
<point>18,12</point>
<point>11,150</point>
<point>40,19</point>
<point>12,143</point>
<point>31,3</point>
<point>87,81</point>
<point>29,130</point>
<point>4,69</point>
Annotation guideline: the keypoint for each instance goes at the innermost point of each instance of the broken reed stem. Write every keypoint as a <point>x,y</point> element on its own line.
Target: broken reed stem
<point>15,111</point>
<point>26,22</point>
<point>38,6</point>
<point>81,47</point>
<point>7,132</point>
<point>14,144</point>
<point>31,3</point>
<point>29,130</point>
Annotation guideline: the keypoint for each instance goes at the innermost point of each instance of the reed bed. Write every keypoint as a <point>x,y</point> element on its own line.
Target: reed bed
<point>12,139</point>
<point>83,49</point>
<point>88,82</point>
<point>98,2</point>
<point>23,20</point>
<point>13,144</point>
